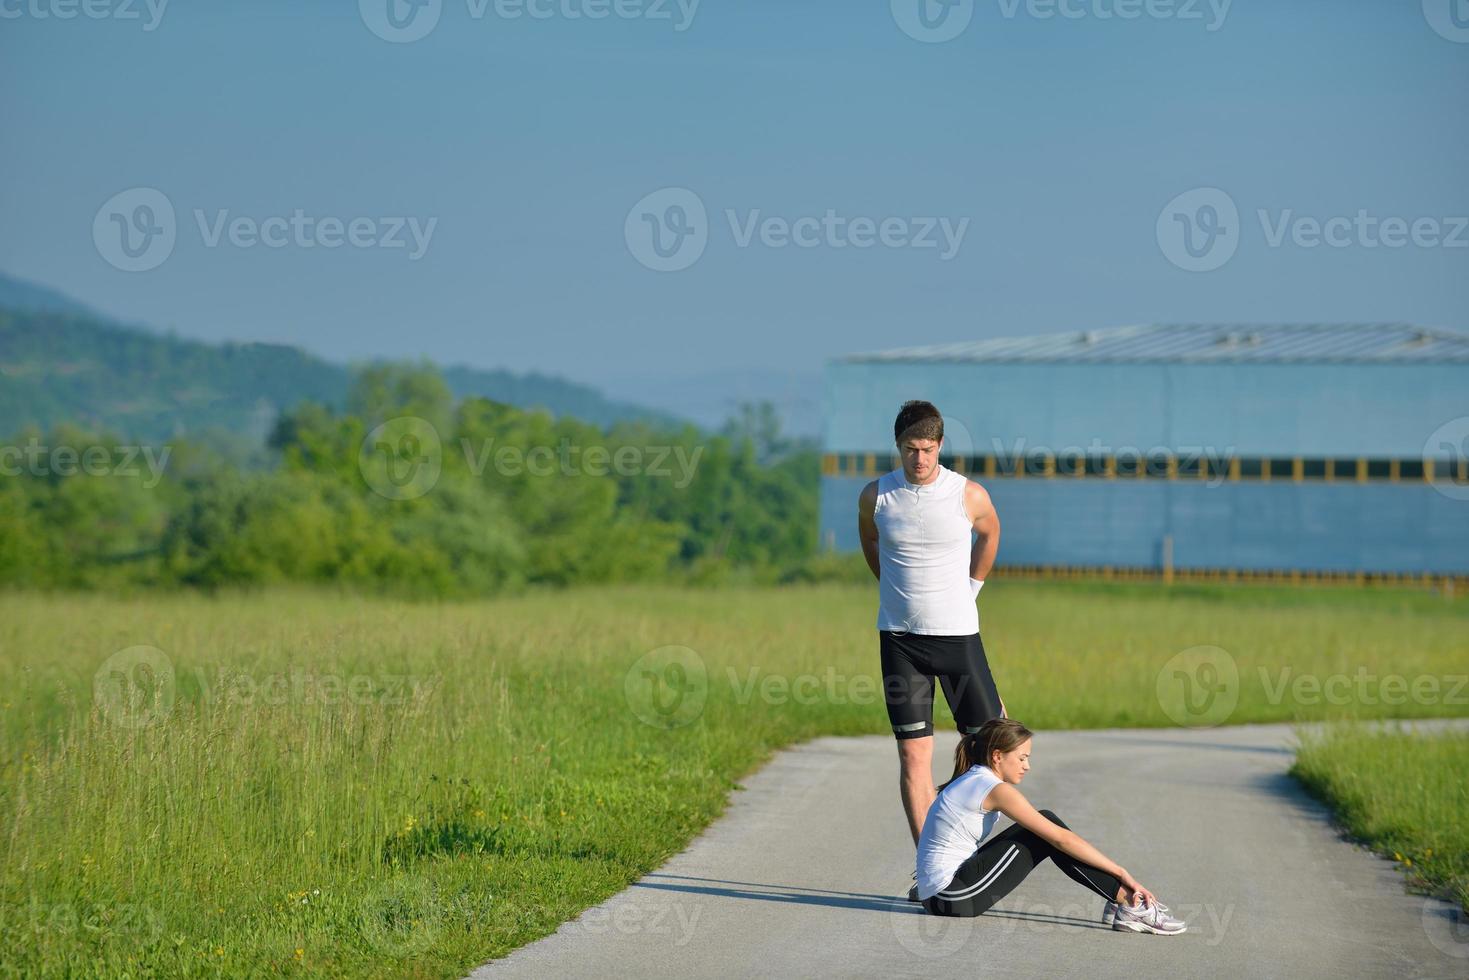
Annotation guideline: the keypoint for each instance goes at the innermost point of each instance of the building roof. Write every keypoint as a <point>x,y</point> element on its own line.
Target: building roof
<point>1188,343</point>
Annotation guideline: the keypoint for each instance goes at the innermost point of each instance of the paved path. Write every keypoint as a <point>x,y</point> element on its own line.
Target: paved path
<point>801,875</point>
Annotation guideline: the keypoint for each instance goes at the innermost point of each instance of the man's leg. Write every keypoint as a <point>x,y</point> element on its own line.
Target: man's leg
<point>968,685</point>
<point>915,780</point>
<point>908,691</point>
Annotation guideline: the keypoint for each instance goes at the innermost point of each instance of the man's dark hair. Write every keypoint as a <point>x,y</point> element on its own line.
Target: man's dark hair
<point>918,420</point>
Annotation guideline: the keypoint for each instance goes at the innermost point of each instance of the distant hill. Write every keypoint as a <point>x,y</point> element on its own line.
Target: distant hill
<point>557,395</point>
<point>16,294</point>
<point>59,362</point>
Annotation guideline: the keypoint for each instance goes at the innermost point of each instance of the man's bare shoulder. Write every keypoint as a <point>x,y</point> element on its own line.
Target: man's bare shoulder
<point>977,499</point>
<point>868,496</point>
<point>973,486</point>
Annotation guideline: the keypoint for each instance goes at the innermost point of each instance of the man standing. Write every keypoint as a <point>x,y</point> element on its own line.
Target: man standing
<point>915,524</point>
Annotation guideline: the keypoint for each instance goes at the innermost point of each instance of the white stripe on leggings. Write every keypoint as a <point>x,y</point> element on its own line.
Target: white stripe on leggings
<point>1095,887</point>
<point>1004,863</point>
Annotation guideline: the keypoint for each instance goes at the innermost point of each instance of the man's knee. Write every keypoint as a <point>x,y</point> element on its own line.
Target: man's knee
<point>1051,816</point>
<point>915,755</point>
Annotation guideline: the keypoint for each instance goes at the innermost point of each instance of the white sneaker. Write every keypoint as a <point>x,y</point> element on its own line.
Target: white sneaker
<point>1109,911</point>
<point>1146,918</point>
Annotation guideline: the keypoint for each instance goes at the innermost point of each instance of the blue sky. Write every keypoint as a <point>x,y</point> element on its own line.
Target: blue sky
<point>1058,140</point>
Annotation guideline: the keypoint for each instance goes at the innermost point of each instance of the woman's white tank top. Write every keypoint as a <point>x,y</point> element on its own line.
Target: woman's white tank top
<point>955,827</point>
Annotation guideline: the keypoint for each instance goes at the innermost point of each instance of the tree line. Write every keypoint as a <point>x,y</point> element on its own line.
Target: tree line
<point>410,491</point>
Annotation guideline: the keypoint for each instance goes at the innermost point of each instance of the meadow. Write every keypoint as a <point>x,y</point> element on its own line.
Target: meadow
<point>307,783</point>
<point>1404,794</point>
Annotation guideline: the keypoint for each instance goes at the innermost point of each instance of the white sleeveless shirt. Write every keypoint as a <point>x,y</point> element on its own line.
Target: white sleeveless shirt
<point>923,540</point>
<point>955,827</point>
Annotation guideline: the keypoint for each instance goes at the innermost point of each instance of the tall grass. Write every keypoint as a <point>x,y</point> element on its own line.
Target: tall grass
<point>329,785</point>
<point>1403,793</point>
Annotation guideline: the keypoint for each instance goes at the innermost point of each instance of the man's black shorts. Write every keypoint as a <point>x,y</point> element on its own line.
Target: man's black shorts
<point>910,661</point>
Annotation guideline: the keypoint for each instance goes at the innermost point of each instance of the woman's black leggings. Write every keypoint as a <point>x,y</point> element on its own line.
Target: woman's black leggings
<point>1002,862</point>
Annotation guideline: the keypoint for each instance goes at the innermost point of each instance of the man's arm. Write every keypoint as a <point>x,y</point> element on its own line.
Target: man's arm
<point>986,528</point>
<point>987,541</point>
<point>867,526</point>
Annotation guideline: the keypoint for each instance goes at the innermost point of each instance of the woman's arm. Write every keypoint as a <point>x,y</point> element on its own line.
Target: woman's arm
<point>1009,801</point>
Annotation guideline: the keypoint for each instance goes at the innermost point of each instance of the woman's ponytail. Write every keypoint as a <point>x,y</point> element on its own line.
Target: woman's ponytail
<point>978,748</point>
<point>967,754</point>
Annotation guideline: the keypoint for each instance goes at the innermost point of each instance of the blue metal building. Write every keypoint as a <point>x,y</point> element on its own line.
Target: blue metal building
<point>1320,448</point>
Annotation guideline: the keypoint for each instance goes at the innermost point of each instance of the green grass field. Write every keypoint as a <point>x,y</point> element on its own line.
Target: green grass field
<point>303,783</point>
<point>1404,794</point>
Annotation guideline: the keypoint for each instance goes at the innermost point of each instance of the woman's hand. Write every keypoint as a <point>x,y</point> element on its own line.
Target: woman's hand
<point>1135,890</point>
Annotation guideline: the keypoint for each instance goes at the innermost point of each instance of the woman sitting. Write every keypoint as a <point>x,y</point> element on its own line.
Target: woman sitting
<point>963,870</point>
